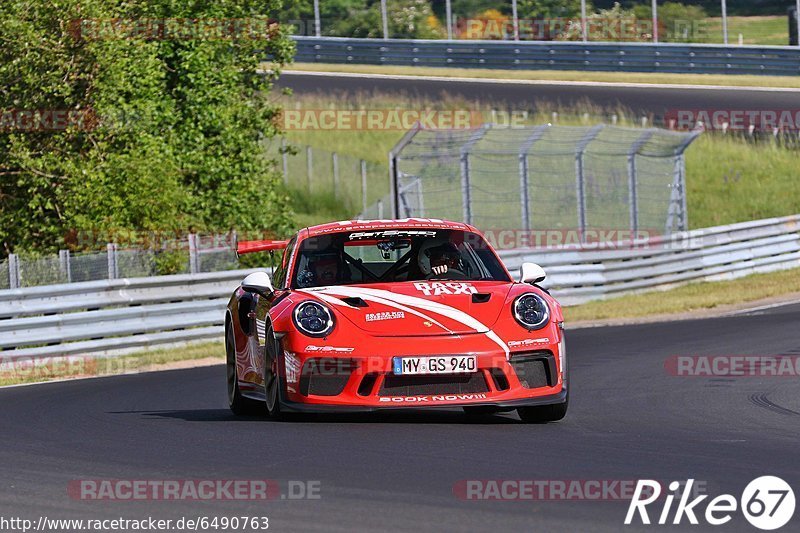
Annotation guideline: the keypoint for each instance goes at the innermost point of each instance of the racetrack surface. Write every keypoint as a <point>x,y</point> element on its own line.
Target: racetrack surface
<point>628,420</point>
<point>656,100</point>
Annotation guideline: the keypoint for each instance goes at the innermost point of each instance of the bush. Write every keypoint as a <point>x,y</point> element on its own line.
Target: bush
<point>165,133</point>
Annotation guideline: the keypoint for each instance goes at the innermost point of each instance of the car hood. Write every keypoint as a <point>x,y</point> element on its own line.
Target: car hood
<point>417,308</point>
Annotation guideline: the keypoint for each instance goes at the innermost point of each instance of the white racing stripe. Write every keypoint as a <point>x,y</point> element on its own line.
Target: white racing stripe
<point>336,301</point>
<point>400,301</point>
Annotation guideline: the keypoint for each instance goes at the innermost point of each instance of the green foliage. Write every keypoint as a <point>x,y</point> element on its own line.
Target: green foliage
<point>549,9</point>
<point>172,126</point>
<point>407,19</point>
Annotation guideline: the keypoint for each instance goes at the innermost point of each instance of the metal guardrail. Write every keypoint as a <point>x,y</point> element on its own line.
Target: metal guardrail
<point>551,55</point>
<point>711,254</point>
<point>99,317</point>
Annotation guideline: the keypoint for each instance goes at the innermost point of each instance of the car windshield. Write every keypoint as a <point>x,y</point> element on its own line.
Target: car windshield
<point>390,256</point>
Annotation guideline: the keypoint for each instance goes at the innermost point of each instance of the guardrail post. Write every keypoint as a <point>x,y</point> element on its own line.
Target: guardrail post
<point>64,263</point>
<point>194,254</point>
<point>335,161</point>
<point>113,267</point>
<point>13,271</point>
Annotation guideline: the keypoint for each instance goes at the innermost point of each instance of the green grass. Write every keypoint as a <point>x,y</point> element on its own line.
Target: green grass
<point>773,31</point>
<point>87,366</point>
<point>731,181</point>
<point>792,82</point>
<point>691,297</point>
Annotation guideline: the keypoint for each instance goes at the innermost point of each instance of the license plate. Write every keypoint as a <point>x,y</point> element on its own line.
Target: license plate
<point>445,364</point>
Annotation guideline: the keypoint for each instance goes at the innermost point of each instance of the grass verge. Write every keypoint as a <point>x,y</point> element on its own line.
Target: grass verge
<point>32,371</point>
<point>702,296</point>
<point>769,31</point>
<point>787,82</point>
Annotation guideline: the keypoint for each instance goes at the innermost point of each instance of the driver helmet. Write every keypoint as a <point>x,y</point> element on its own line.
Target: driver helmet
<point>437,253</point>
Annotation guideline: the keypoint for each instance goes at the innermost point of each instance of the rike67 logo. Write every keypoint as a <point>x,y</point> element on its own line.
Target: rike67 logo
<point>767,503</point>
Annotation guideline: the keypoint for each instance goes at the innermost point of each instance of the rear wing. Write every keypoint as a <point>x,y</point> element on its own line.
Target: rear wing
<point>251,247</point>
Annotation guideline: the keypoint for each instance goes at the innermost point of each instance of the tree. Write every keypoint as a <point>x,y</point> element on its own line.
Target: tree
<point>164,119</point>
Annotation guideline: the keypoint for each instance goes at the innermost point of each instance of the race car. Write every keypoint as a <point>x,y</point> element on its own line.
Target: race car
<point>388,314</point>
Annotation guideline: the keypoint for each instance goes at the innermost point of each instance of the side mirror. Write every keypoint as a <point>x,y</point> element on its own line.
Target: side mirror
<point>531,273</point>
<point>259,283</point>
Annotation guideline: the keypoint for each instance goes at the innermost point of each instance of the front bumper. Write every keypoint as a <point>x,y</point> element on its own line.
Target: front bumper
<point>318,380</point>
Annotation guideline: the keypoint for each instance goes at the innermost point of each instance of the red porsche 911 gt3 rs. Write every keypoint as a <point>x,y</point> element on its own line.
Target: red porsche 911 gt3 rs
<point>366,315</point>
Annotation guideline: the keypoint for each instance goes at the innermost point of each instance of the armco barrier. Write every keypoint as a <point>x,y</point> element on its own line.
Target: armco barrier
<point>110,315</point>
<point>711,254</point>
<point>550,55</point>
<point>106,316</point>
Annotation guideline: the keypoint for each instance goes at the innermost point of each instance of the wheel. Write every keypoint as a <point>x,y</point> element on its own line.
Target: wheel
<point>541,414</point>
<point>272,378</point>
<point>237,403</point>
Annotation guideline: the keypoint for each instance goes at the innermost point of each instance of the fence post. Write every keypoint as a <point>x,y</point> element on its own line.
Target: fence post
<point>581,179</point>
<point>526,146</point>
<point>633,193</point>
<point>113,268</point>
<point>66,268</point>
<point>363,186</point>
<point>285,160</point>
<point>684,224</point>
<point>13,271</point>
<point>194,255</point>
<point>335,158</point>
<point>309,166</point>
<point>466,187</point>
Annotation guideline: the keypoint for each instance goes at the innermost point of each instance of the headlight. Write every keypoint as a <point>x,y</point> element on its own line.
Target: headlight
<point>531,311</point>
<point>313,319</point>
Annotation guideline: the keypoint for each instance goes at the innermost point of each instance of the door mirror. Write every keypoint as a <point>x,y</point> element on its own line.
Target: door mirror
<point>531,273</point>
<point>259,283</point>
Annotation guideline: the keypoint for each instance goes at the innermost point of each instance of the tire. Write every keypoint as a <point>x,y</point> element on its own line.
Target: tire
<point>238,404</point>
<point>541,414</point>
<point>273,392</point>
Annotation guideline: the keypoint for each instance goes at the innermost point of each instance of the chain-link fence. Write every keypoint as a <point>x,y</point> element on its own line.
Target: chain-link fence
<point>588,179</point>
<point>352,182</point>
<point>194,255</point>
